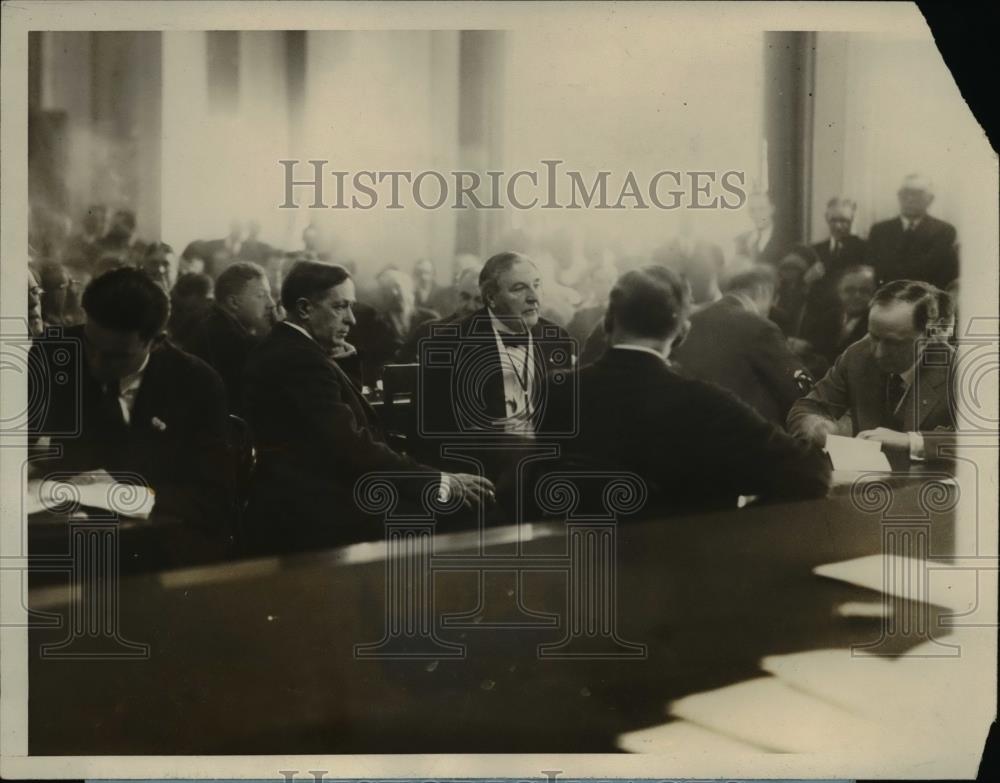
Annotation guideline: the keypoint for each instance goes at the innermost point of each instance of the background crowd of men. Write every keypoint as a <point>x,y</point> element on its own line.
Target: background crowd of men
<point>712,380</point>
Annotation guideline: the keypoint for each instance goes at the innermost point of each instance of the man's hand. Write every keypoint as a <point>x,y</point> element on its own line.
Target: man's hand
<point>817,428</point>
<point>343,351</point>
<point>888,438</point>
<point>474,490</point>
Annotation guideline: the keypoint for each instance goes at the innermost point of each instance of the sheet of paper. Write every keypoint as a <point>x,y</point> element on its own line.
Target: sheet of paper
<point>953,588</point>
<point>854,454</point>
<point>95,489</point>
<point>768,713</point>
<point>679,736</point>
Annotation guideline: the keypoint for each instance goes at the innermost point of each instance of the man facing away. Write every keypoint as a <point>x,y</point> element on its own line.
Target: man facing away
<point>893,383</point>
<point>732,343</point>
<point>316,435</point>
<point>695,445</point>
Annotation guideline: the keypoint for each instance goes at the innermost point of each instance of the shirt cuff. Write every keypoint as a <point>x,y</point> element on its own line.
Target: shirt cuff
<point>916,447</point>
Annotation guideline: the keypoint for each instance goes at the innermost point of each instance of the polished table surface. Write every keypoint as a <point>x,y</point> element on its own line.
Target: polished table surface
<point>257,657</point>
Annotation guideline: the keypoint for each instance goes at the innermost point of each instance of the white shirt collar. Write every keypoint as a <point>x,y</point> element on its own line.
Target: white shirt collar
<point>643,348</point>
<point>764,237</point>
<point>500,326</point>
<point>131,383</point>
<point>746,302</point>
<point>910,222</point>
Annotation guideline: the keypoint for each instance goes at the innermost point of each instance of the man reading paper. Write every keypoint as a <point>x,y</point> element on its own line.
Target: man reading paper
<point>893,382</point>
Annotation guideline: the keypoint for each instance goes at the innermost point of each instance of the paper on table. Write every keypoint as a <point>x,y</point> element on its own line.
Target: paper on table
<point>953,588</point>
<point>679,736</point>
<point>795,722</point>
<point>95,489</point>
<point>855,454</point>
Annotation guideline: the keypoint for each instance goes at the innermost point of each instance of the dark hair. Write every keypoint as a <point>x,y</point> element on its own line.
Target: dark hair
<point>232,281</point>
<point>309,280</point>
<point>495,266</point>
<point>804,252</point>
<point>651,301</point>
<point>926,300</point>
<point>195,249</point>
<point>158,250</point>
<point>125,300</point>
<point>751,278</point>
<point>192,285</point>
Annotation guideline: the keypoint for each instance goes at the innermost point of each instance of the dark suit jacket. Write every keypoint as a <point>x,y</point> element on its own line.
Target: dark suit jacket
<point>857,386</point>
<point>823,292</point>
<point>222,341</point>
<point>468,394</point>
<point>824,332</point>
<point>744,353</point>
<point>694,444</point>
<point>929,254</point>
<point>186,461</point>
<point>852,252</point>
<point>316,436</point>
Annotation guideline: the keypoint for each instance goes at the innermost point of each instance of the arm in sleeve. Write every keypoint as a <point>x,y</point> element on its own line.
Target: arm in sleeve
<point>829,399</point>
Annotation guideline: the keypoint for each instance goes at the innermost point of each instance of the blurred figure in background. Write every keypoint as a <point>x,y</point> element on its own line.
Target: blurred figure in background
<point>915,245</point>
<point>60,295</point>
<point>840,250</point>
<point>36,326</point>
<point>469,300</point>
<point>427,293</point>
<point>600,281</point>
<point>158,264</point>
<point>121,240</point>
<point>242,314</point>
<point>760,245</point>
<point>699,262</point>
<point>190,299</point>
<point>792,293</point>
<point>399,314</point>
<point>829,332</point>
<point>83,248</point>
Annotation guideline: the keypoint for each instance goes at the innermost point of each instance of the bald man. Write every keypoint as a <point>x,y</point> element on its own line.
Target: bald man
<point>915,245</point>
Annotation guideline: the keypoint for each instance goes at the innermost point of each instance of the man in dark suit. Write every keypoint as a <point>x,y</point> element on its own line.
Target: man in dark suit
<point>842,248</point>
<point>845,322</point>
<point>497,382</point>
<point>733,344</point>
<point>143,410</point>
<point>760,245</point>
<point>893,383</point>
<point>915,245</point>
<point>242,314</point>
<point>693,443</point>
<point>315,433</point>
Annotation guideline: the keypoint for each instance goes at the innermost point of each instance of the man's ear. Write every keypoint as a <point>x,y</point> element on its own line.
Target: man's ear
<point>302,307</point>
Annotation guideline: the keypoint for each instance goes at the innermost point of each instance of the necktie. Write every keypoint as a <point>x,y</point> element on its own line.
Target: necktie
<point>894,391</point>
<point>836,251</point>
<point>111,405</point>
